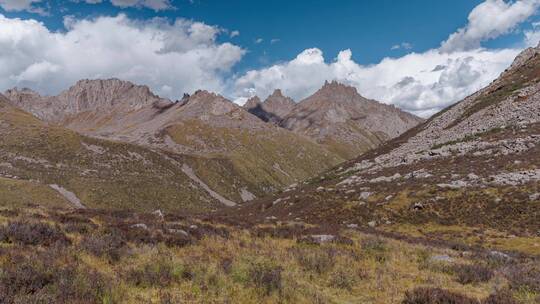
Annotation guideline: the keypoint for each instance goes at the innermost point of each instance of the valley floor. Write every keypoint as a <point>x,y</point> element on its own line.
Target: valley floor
<point>60,255</point>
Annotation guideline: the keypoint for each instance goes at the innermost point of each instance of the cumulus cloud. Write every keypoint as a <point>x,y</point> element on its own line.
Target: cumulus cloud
<point>489,20</point>
<point>234,34</point>
<point>172,58</point>
<point>156,5</point>
<point>421,83</point>
<point>259,40</point>
<point>22,5</point>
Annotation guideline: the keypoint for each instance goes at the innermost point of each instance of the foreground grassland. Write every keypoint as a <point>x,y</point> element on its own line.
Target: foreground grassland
<point>89,256</point>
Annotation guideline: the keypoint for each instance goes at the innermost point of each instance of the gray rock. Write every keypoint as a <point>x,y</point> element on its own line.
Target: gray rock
<point>442,258</point>
<point>139,226</point>
<point>158,213</point>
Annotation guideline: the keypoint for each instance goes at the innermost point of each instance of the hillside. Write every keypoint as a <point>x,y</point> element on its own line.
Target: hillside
<point>231,151</point>
<point>35,156</point>
<point>469,174</point>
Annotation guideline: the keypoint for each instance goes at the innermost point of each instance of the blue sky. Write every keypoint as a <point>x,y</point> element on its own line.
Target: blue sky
<point>249,47</point>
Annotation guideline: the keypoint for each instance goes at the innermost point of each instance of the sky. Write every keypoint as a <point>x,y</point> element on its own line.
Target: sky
<point>419,55</point>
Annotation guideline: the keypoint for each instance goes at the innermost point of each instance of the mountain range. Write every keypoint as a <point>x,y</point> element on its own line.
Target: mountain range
<point>221,149</point>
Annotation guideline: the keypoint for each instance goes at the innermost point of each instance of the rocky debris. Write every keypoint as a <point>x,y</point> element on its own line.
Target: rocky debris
<point>319,239</point>
<point>534,196</point>
<point>514,178</point>
<point>372,224</point>
<point>385,178</point>
<point>246,196</point>
<point>454,184</point>
<point>179,231</point>
<point>499,255</point>
<point>158,213</point>
<point>418,206</point>
<point>139,226</point>
<point>70,196</point>
<point>441,258</point>
<point>365,195</point>
<point>352,226</point>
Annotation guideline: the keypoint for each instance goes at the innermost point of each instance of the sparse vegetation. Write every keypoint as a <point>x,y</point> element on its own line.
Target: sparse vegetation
<point>114,262</point>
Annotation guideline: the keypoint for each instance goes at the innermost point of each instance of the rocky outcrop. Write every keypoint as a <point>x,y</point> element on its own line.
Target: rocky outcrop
<point>85,96</point>
<point>273,109</point>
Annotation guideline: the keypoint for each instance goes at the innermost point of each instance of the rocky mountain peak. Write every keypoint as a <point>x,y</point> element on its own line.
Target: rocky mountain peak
<point>336,88</point>
<point>277,93</point>
<point>252,102</point>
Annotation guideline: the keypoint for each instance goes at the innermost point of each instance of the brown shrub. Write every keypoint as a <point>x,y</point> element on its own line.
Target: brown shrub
<point>31,233</point>
<point>426,295</point>
<point>375,247</point>
<point>471,274</point>
<point>158,274</point>
<point>343,279</point>
<point>110,245</point>
<point>53,276</point>
<point>265,276</point>
<point>503,296</point>
<point>318,260</point>
<point>524,276</point>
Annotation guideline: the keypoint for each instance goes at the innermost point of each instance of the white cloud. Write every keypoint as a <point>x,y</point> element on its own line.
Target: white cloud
<point>422,83</point>
<point>532,36</point>
<point>234,34</point>
<point>22,5</point>
<point>156,5</point>
<point>403,45</point>
<point>17,5</point>
<point>172,58</point>
<point>489,20</point>
<point>275,40</point>
<point>259,40</point>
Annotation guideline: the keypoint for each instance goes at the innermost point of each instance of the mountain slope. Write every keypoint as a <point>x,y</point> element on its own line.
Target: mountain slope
<point>100,173</point>
<point>470,173</point>
<point>251,158</point>
<point>345,122</point>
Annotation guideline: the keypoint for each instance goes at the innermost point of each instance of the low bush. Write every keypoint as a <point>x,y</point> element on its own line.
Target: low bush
<point>375,247</point>
<point>318,260</point>
<point>503,296</point>
<point>471,274</point>
<point>110,245</point>
<point>343,279</point>
<point>426,295</point>
<point>264,275</point>
<point>159,273</point>
<point>51,277</point>
<point>524,276</point>
<point>32,233</point>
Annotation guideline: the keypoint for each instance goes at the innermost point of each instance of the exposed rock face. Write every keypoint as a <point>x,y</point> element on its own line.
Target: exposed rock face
<point>273,109</point>
<point>99,96</point>
<point>338,116</point>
